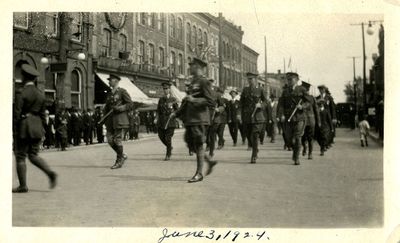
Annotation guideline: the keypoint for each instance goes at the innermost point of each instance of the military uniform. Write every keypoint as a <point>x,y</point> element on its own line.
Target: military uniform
<point>29,118</point>
<point>293,129</point>
<point>166,124</point>
<point>195,113</point>
<point>253,118</point>
<point>312,119</point>
<point>119,102</point>
<point>217,122</point>
<point>234,119</point>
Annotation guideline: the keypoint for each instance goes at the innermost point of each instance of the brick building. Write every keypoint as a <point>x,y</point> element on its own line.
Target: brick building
<point>249,61</point>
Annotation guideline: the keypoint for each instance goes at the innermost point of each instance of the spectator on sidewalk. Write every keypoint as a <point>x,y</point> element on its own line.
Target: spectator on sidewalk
<point>48,131</point>
<point>364,127</point>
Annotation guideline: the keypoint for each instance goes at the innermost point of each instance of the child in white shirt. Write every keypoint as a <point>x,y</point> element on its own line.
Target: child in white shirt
<point>364,127</point>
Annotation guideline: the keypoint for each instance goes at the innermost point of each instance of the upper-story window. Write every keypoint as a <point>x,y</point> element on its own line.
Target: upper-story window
<point>152,20</point>
<point>142,18</point>
<point>180,29</point>
<point>180,64</point>
<point>52,23</point>
<point>188,34</point>
<point>200,36</point>
<point>76,26</point>
<point>141,52</point>
<point>122,43</point>
<point>161,23</point>
<point>21,20</point>
<point>172,26</point>
<point>151,54</point>
<point>161,57</point>
<point>194,36</point>
<point>76,82</point>
<point>205,38</point>
<point>106,43</point>
<point>172,63</point>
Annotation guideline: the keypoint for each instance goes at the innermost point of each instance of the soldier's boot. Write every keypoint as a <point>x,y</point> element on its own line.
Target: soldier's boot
<point>21,172</point>
<point>362,143</point>
<point>304,150</point>
<point>168,154</point>
<point>366,142</point>
<point>200,162</point>
<point>322,152</point>
<point>42,165</point>
<point>310,149</point>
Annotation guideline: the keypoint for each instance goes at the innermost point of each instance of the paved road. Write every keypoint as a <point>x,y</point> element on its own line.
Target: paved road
<point>342,189</point>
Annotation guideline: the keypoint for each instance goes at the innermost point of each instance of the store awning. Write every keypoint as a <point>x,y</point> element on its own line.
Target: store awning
<point>136,94</point>
<point>179,95</point>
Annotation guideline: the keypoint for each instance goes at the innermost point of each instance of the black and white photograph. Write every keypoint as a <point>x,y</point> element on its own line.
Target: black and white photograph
<point>218,124</point>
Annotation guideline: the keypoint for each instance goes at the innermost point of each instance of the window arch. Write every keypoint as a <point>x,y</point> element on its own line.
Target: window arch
<point>188,33</point>
<point>141,52</point>
<point>180,29</point>
<point>194,36</point>
<point>76,82</point>
<point>106,43</point>
<point>172,26</point>
<point>50,84</point>
<point>122,42</point>
<point>205,38</point>
<point>151,54</point>
<point>161,23</point>
<point>172,63</point>
<point>200,36</point>
<point>180,64</point>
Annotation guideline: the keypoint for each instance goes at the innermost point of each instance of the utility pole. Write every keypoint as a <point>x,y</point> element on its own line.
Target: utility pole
<point>266,72</point>
<point>355,82</point>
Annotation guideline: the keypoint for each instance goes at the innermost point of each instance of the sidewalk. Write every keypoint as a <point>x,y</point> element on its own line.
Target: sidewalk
<point>142,137</point>
<point>375,136</point>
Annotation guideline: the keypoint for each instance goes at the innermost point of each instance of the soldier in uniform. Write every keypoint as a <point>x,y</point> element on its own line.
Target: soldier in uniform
<point>331,107</point>
<point>234,118</point>
<point>221,117</point>
<point>29,116</point>
<point>166,125</point>
<point>216,121</point>
<point>291,112</point>
<point>273,119</point>
<point>195,113</point>
<point>119,102</point>
<point>99,127</point>
<point>312,119</point>
<point>252,106</point>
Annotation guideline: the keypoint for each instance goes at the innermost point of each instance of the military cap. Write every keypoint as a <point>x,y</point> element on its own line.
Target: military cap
<point>114,76</point>
<point>28,69</point>
<point>198,61</point>
<point>234,90</point>
<point>292,74</point>
<point>305,85</point>
<point>251,74</point>
<point>322,87</point>
<point>166,84</point>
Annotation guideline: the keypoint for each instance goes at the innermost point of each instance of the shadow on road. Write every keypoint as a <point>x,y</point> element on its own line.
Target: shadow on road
<point>83,166</point>
<point>146,178</point>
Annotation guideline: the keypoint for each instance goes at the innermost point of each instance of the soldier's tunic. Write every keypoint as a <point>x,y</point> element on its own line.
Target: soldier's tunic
<point>196,114</point>
<point>118,121</point>
<point>29,115</point>
<point>217,123</point>
<point>312,119</point>
<point>166,105</point>
<point>331,107</point>
<point>293,129</point>
<point>252,124</point>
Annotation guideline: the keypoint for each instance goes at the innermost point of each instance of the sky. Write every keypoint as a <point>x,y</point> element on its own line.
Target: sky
<point>319,45</point>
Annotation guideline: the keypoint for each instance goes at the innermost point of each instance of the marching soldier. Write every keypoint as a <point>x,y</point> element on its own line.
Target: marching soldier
<point>221,117</point>
<point>330,106</point>
<point>234,118</point>
<point>273,119</point>
<point>118,104</point>
<point>312,119</point>
<point>291,112</point>
<point>195,113</point>
<point>216,122</point>
<point>252,105</point>
<point>29,116</point>
<point>166,125</point>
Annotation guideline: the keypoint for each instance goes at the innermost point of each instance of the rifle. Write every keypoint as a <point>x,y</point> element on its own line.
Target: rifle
<point>255,109</point>
<point>101,121</point>
<point>294,111</point>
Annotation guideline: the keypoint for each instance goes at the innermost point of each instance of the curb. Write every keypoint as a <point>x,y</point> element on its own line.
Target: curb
<point>84,146</point>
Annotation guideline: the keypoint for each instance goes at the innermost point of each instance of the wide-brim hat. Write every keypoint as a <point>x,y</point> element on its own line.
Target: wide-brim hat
<point>114,76</point>
<point>234,90</point>
<point>29,70</point>
<point>322,87</point>
<point>305,85</point>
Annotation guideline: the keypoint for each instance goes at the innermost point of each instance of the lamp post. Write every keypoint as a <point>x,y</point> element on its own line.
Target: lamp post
<point>370,31</point>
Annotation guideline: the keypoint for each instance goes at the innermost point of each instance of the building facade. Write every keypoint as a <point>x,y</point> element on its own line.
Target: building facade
<point>58,45</point>
<point>146,48</point>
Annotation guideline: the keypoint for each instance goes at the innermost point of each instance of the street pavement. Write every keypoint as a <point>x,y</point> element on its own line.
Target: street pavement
<point>342,189</point>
